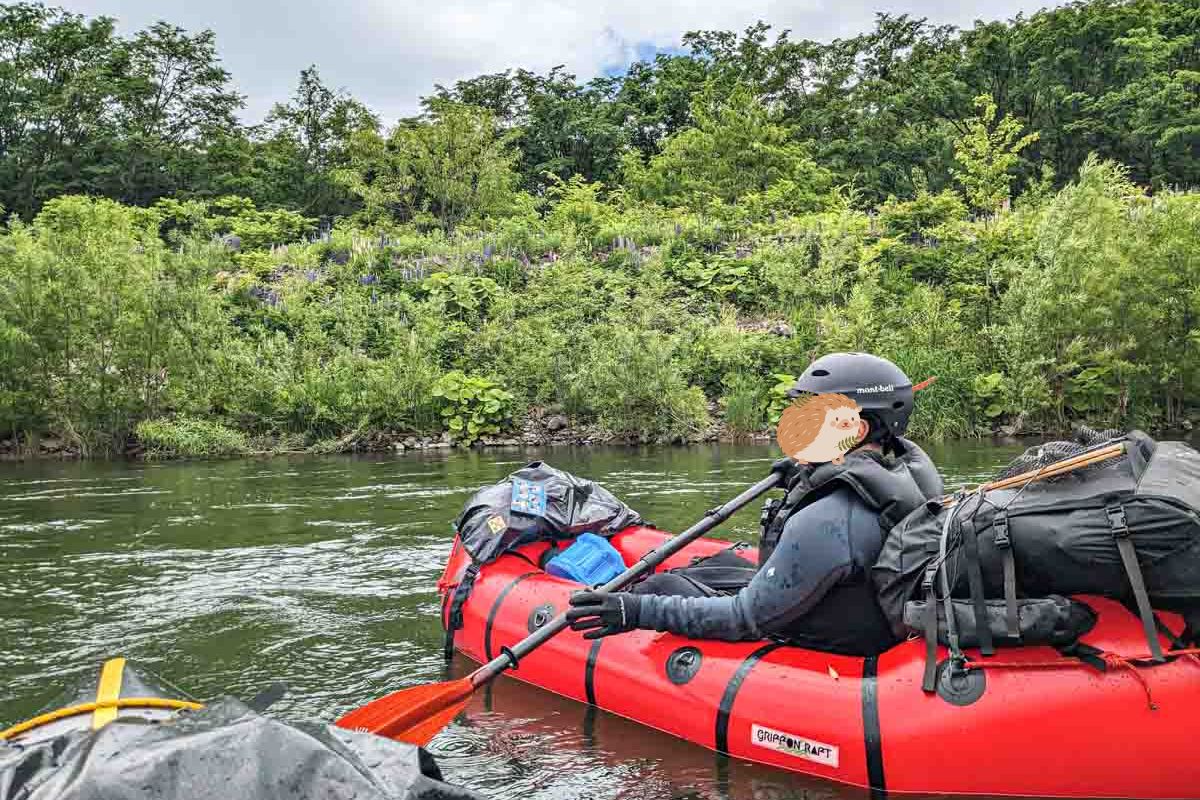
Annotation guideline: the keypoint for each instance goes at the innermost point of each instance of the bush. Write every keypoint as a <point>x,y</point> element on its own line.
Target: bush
<point>185,437</point>
<point>744,402</point>
<point>472,406</point>
<point>629,381</point>
<point>103,325</point>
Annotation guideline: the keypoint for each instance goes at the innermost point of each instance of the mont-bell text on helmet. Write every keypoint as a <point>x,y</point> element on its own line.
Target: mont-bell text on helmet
<point>875,389</point>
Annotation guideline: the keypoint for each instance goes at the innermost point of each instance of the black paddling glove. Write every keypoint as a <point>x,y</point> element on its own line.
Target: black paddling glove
<point>786,468</point>
<point>603,614</point>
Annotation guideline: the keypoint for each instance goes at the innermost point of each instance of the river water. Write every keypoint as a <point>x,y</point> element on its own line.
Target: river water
<point>224,576</point>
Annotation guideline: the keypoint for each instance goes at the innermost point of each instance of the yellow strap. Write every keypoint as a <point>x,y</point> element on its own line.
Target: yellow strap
<point>108,691</point>
<point>84,708</point>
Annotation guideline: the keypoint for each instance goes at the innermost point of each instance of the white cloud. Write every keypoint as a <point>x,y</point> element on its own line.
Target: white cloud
<point>390,52</point>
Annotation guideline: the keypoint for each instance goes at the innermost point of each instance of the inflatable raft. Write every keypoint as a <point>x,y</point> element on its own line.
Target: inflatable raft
<point>1026,722</point>
<point>124,733</point>
<point>118,690</point>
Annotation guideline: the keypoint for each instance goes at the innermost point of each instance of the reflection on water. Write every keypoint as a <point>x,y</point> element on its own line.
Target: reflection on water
<point>225,576</point>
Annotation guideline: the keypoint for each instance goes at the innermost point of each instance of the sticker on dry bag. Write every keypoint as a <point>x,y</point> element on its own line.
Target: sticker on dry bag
<point>497,524</point>
<point>528,498</point>
<point>794,745</point>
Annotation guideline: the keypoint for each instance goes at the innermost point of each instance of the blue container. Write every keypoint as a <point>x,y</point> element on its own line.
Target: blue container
<point>591,560</point>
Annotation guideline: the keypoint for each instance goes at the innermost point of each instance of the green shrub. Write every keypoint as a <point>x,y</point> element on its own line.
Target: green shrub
<point>629,380</point>
<point>744,402</point>
<point>186,437</point>
<point>462,296</point>
<point>778,399</point>
<point>472,406</point>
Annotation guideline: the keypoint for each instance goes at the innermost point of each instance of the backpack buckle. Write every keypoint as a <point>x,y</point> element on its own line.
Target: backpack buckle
<point>930,574</point>
<point>1002,539</point>
<point>1117,521</point>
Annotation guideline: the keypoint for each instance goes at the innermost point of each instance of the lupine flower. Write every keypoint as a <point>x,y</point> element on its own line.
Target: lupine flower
<point>367,280</point>
<point>271,298</point>
<point>488,251</point>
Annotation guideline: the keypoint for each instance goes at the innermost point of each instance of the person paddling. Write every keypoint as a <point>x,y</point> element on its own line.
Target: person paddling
<point>812,586</point>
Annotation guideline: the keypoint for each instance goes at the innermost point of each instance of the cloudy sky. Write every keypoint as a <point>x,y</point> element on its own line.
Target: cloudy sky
<point>390,52</point>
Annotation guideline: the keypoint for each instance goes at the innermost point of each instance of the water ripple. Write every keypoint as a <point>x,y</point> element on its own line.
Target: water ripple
<point>319,572</point>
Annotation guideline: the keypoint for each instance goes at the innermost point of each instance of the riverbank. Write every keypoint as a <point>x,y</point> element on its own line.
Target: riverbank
<point>540,428</point>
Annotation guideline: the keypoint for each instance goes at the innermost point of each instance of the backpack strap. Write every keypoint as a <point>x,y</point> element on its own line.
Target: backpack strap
<point>1121,533</point>
<point>1003,543</point>
<point>929,680</point>
<point>983,631</point>
<point>935,568</point>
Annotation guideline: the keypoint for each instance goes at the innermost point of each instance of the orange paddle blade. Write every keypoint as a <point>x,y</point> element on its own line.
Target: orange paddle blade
<point>412,715</point>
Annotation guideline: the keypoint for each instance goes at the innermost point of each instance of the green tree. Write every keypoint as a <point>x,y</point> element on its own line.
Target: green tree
<point>309,139</point>
<point>57,76</point>
<point>988,151</point>
<point>172,98</point>
<point>559,127</point>
<point>105,325</point>
<point>441,169</point>
<point>733,151</point>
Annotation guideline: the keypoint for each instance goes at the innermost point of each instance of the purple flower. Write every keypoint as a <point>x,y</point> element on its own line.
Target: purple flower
<point>488,251</point>
<point>311,274</point>
<point>367,280</point>
<point>269,297</point>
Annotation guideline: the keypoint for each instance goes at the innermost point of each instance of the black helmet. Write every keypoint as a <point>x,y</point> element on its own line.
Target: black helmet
<point>881,389</point>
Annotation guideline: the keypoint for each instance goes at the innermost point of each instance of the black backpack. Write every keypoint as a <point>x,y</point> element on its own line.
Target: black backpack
<point>1127,528</point>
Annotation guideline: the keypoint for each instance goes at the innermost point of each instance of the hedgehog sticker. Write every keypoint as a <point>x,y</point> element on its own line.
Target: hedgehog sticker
<point>821,427</point>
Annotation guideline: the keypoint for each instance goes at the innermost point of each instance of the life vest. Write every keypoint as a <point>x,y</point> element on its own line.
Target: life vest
<point>891,486</point>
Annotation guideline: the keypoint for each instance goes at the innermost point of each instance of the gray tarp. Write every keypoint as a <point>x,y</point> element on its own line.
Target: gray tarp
<point>225,750</point>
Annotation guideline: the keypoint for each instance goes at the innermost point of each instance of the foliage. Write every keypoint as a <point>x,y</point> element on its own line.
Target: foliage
<point>988,151</point>
<point>779,399</point>
<point>630,382</point>
<point>439,169</point>
<point>186,437</point>
<point>743,403</point>
<point>633,251</point>
<point>733,152</point>
<point>462,296</point>
<point>721,276</point>
<point>105,324</point>
<point>472,406</point>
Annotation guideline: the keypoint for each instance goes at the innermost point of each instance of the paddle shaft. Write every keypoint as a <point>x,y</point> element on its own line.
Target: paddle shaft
<point>1053,470</point>
<point>645,564</point>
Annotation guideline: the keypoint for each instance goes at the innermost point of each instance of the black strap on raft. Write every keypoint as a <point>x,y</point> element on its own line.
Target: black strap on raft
<point>1092,656</point>
<point>454,617</point>
<point>929,681</point>
<point>1003,543</point>
<point>983,630</point>
<point>1191,629</point>
<point>268,697</point>
<point>1120,530</point>
<point>1177,642</point>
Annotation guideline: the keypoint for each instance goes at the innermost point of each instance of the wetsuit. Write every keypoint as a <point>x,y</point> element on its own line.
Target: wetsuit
<point>814,589</point>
